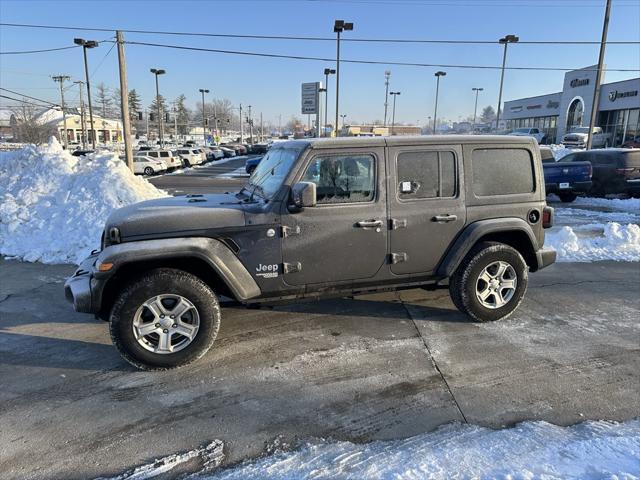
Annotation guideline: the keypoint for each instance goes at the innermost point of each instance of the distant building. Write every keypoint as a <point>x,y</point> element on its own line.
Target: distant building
<point>106,130</point>
<point>7,124</point>
<point>379,130</point>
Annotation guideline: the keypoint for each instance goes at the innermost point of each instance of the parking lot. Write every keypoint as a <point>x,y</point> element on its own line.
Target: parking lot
<point>366,368</point>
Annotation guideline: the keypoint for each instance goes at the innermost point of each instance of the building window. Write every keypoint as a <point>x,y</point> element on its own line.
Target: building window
<point>620,125</point>
<point>575,113</point>
<point>547,125</point>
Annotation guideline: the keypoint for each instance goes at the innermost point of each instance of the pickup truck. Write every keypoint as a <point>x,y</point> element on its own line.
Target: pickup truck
<point>528,132</point>
<point>577,138</point>
<point>565,179</point>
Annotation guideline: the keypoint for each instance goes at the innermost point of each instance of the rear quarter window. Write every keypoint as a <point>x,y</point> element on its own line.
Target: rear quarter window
<point>502,171</point>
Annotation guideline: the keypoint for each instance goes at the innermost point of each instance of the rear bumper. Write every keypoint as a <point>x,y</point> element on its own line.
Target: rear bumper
<point>574,187</point>
<point>545,257</point>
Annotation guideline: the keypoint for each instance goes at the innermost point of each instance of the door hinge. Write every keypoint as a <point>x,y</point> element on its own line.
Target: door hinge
<point>398,257</point>
<point>289,231</point>
<point>396,223</point>
<point>291,267</point>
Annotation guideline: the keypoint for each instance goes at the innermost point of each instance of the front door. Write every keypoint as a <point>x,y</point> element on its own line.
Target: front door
<point>344,237</point>
<point>426,205</point>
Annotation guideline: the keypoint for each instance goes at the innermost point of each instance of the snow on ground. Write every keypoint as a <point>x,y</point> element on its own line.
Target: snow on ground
<point>53,205</point>
<point>560,151</point>
<point>631,205</point>
<point>591,450</point>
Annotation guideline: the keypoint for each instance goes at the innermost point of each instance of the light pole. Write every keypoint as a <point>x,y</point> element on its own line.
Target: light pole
<point>393,117</point>
<point>343,117</point>
<point>85,45</point>
<point>204,130</point>
<point>475,109</point>
<point>83,125</point>
<point>338,27</point>
<point>387,74</point>
<point>506,40</point>
<point>327,72</point>
<point>435,113</point>
<point>157,72</point>
<point>319,122</point>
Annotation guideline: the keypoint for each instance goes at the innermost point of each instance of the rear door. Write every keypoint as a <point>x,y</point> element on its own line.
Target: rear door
<point>344,237</point>
<point>426,205</point>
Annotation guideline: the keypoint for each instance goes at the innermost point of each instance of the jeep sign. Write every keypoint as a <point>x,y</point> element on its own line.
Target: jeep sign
<point>310,94</point>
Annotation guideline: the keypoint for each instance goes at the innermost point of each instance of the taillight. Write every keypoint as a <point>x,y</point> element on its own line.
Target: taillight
<point>547,217</point>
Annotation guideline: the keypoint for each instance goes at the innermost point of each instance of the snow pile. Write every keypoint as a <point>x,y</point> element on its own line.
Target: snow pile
<point>592,450</point>
<point>631,205</point>
<point>560,151</point>
<point>53,205</point>
<point>609,241</point>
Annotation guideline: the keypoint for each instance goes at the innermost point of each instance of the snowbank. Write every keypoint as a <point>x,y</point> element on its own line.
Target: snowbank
<point>631,205</point>
<point>560,151</point>
<point>592,450</point>
<point>53,205</point>
<point>592,242</point>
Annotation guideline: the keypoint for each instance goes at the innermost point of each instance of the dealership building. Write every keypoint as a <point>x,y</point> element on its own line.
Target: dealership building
<point>556,113</point>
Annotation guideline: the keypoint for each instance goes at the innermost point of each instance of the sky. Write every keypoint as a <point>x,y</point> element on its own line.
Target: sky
<point>272,86</point>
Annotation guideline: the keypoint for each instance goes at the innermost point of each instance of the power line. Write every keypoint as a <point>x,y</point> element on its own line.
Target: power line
<point>27,102</point>
<point>22,52</point>
<point>27,96</point>
<point>321,39</point>
<point>369,62</point>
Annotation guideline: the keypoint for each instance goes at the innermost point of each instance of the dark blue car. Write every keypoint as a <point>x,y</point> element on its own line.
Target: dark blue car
<point>567,179</point>
<point>252,164</point>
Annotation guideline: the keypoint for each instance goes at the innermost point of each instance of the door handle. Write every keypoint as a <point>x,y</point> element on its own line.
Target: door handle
<point>369,224</point>
<point>445,218</point>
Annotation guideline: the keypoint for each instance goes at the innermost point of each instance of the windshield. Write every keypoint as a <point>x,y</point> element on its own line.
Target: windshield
<point>580,130</point>
<point>271,172</point>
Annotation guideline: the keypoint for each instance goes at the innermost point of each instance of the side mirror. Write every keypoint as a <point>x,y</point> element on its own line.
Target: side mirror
<point>303,194</point>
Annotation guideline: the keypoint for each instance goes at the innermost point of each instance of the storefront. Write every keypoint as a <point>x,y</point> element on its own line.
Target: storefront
<point>557,113</point>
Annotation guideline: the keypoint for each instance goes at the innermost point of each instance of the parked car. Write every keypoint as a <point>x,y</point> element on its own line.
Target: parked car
<point>144,148</point>
<point>632,143</point>
<point>577,138</point>
<point>615,170</point>
<point>259,148</point>
<point>251,164</point>
<point>190,156</point>
<point>145,165</point>
<point>167,156</point>
<point>239,149</point>
<point>214,153</point>
<point>228,152</point>
<point>565,179</point>
<point>528,132</point>
<point>80,152</point>
<point>466,213</point>
<point>189,143</point>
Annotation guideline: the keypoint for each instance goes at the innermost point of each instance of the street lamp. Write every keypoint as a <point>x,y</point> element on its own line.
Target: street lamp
<point>435,113</point>
<point>338,27</point>
<point>393,117</point>
<point>475,109</point>
<point>387,74</point>
<point>343,117</point>
<point>156,72</point>
<point>204,130</point>
<point>327,72</point>
<point>85,45</point>
<point>506,40</point>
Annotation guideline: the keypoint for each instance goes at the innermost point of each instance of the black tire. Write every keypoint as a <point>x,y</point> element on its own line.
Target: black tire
<point>158,282</point>
<point>567,197</point>
<point>463,283</point>
<point>148,171</point>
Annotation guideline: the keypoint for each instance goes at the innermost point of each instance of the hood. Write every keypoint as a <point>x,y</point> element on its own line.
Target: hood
<point>575,136</point>
<point>177,214</point>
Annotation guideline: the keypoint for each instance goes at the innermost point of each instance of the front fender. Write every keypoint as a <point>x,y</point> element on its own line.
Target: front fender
<point>474,232</point>
<point>212,251</point>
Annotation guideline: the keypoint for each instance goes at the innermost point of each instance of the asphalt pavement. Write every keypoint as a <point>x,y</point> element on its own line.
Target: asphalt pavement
<point>366,368</point>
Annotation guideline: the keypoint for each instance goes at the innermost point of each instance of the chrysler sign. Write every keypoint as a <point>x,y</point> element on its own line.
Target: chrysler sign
<point>614,94</point>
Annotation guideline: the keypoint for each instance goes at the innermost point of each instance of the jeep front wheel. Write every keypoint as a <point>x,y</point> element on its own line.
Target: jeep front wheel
<point>164,319</point>
<point>490,282</point>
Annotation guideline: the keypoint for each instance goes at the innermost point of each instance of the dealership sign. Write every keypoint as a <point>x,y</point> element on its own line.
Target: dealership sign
<point>614,94</point>
<point>310,98</point>
<point>579,82</point>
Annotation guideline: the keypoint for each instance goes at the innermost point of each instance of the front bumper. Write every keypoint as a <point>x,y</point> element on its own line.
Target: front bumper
<point>545,257</point>
<point>78,287</point>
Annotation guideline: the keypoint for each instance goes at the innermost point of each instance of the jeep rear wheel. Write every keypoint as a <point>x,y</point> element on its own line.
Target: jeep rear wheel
<point>490,282</point>
<point>164,319</point>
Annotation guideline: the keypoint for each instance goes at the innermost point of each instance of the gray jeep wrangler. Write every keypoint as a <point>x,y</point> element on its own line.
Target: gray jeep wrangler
<point>320,218</point>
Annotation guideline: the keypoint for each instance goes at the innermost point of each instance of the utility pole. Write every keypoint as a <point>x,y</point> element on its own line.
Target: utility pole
<point>146,114</point>
<point>387,74</point>
<point>393,121</point>
<point>596,91</point>
<point>175,120</point>
<point>83,126</point>
<point>435,113</point>
<point>204,130</point>
<point>241,126</point>
<point>506,40</point>
<point>261,129</point>
<point>61,79</point>
<point>124,101</point>
<point>250,122</point>
<point>475,109</point>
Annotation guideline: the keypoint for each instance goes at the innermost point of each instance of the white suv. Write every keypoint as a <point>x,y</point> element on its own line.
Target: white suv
<point>191,156</point>
<point>167,156</point>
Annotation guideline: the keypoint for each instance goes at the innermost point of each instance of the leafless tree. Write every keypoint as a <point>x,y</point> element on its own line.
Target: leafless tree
<point>27,127</point>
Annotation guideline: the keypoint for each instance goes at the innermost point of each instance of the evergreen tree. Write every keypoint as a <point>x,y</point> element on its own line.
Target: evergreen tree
<point>135,106</point>
<point>488,114</point>
<point>182,113</point>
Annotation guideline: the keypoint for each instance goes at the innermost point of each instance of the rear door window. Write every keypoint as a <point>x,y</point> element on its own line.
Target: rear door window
<point>428,174</point>
<point>164,154</point>
<point>502,171</point>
